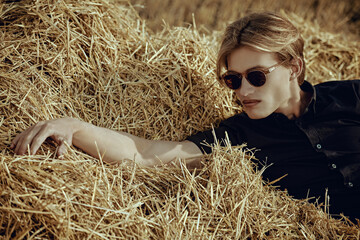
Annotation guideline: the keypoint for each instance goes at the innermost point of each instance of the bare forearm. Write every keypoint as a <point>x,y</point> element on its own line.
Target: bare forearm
<point>109,145</point>
<point>102,143</point>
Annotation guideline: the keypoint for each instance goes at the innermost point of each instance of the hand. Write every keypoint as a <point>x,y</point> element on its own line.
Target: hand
<point>60,130</point>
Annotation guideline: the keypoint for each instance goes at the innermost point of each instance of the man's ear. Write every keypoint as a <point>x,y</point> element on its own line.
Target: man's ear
<point>297,66</point>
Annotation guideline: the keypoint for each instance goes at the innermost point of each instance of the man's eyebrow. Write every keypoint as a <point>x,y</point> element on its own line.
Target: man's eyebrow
<point>255,67</point>
<point>252,68</point>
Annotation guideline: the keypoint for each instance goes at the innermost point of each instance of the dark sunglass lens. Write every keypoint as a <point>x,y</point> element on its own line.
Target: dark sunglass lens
<point>256,78</point>
<point>232,81</point>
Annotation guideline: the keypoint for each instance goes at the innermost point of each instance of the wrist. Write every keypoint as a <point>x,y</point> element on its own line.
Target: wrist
<point>74,124</point>
<point>80,129</point>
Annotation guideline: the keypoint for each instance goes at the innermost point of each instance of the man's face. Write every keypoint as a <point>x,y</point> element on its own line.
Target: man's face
<point>274,95</point>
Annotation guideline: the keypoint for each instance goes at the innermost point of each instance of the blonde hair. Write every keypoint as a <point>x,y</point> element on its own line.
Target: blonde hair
<point>266,32</point>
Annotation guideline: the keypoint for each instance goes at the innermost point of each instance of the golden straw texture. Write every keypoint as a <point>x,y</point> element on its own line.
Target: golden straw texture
<point>96,60</point>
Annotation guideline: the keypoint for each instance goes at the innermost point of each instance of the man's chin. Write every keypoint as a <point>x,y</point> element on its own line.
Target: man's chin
<point>256,115</point>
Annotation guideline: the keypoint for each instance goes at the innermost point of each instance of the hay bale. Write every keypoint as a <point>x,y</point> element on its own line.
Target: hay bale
<point>97,61</point>
<point>332,15</point>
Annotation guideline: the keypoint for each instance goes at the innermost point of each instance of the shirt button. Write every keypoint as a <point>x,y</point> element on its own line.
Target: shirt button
<point>333,166</point>
<point>318,146</point>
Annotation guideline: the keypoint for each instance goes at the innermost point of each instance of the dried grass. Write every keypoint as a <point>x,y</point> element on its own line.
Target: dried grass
<point>331,15</point>
<point>97,61</point>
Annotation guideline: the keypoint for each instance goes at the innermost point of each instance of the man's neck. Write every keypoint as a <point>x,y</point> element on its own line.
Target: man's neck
<point>297,104</point>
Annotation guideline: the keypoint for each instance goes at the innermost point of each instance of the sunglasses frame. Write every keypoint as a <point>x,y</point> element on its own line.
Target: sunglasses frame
<point>243,75</point>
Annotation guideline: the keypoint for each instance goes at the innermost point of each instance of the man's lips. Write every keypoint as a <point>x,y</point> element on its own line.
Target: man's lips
<point>250,102</point>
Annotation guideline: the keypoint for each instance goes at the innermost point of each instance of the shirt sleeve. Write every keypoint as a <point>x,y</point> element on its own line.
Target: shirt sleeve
<point>228,130</point>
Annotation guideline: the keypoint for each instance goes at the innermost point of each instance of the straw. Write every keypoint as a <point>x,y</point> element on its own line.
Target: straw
<point>98,61</point>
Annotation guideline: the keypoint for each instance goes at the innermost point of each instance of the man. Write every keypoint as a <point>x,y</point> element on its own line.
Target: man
<point>310,135</point>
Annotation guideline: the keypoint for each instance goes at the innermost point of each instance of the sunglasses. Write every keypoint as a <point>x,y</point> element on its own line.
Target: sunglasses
<point>257,78</point>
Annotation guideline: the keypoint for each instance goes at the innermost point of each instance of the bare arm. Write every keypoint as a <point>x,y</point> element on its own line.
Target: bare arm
<point>112,146</point>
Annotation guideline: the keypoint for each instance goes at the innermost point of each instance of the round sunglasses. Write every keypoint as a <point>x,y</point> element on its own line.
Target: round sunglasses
<point>257,78</point>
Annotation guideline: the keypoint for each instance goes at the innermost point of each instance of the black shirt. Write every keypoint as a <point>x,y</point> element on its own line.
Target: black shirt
<point>325,139</point>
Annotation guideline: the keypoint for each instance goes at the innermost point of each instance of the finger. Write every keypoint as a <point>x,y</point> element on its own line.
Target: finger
<point>27,137</point>
<point>62,149</point>
<point>40,138</point>
<point>63,146</point>
<point>20,140</point>
<point>15,140</point>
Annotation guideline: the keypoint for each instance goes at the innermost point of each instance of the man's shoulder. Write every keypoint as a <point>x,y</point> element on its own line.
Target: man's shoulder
<point>337,83</point>
<point>343,95</point>
<point>338,87</point>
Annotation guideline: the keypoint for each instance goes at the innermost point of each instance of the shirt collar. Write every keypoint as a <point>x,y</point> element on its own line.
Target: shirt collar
<point>309,88</point>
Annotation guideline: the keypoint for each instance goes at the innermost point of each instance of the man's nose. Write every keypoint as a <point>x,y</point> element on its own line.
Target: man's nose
<point>245,89</point>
